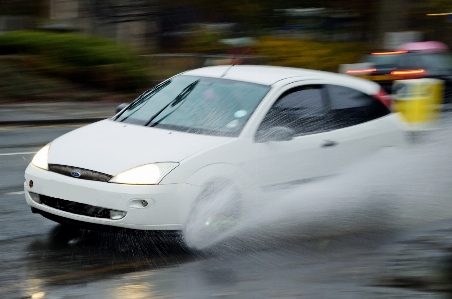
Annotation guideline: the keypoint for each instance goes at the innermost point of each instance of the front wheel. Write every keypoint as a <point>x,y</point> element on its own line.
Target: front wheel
<point>214,214</point>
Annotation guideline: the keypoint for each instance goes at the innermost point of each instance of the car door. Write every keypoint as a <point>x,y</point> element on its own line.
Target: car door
<point>302,109</point>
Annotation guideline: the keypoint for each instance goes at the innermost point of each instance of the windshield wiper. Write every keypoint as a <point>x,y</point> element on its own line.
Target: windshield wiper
<point>177,100</point>
<point>143,98</point>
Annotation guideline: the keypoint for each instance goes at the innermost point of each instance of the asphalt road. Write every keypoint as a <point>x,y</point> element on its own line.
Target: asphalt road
<point>41,259</point>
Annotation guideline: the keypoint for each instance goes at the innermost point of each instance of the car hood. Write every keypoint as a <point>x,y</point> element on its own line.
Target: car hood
<point>112,147</point>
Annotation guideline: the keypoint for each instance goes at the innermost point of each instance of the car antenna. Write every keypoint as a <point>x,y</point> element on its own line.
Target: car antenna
<point>235,61</point>
<point>227,70</point>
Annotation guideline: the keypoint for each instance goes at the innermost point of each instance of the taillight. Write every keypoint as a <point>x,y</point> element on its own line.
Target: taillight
<point>390,52</point>
<point>409,74</point>
<point>383,97</point>
<point>360,72</point>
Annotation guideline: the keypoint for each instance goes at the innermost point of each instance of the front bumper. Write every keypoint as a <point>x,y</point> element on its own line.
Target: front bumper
<point>168,206</point>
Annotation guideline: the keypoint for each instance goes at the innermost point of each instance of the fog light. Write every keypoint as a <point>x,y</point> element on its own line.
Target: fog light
<point>35,197</point>
<point>116,215</point>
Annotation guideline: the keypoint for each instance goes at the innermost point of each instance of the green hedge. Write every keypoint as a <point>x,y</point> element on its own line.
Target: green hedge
<point>310,54</point>
<point>284,51</point>
<point>92,60</point>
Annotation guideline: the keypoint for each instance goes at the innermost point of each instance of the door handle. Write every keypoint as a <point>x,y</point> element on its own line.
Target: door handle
<point>329,143</point>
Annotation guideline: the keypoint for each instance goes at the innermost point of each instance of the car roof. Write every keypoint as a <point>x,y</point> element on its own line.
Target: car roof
<point>269,75</point>
<point>425,47</point>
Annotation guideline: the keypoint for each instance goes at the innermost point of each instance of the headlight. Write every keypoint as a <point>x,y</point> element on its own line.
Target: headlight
<point>40,159</point>
<point>149,174</point>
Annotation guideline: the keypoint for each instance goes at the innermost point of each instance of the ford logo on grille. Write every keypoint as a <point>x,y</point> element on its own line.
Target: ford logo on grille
<point>76,174</point>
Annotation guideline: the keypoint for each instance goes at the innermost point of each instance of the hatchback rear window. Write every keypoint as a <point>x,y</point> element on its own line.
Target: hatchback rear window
<point>381,60</point>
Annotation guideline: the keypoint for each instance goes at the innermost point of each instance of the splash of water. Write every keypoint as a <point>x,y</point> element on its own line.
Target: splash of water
<point>392,188</point>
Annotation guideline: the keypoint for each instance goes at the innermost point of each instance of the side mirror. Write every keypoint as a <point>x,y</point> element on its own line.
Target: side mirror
<point>275,134</point>
<point>120,107</point>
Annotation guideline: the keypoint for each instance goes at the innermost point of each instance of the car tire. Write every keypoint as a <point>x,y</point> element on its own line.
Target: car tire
<point>215,212</point>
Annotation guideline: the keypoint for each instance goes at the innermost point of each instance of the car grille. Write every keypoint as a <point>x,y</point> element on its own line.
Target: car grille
<point>85,174</point>
<point>75,207</point>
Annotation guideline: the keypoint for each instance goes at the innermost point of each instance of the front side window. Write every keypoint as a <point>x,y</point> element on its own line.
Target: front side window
<point>301,109</point>
<point>199,105</point>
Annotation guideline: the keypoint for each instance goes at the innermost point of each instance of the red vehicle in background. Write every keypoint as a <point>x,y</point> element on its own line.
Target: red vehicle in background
<point>409,61</point>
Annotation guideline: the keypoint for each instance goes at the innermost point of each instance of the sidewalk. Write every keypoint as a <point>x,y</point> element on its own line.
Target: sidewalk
<point>55,113</point>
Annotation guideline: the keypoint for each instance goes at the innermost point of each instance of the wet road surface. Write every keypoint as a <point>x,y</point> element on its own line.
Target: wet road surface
<point>41,259</point>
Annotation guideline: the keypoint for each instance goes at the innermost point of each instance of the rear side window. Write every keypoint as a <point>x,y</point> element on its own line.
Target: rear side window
<point>349,107</point>
<point>302,109</point>
<point>409,62</point>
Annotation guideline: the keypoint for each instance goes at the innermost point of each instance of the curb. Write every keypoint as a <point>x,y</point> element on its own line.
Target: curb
<point>41,122</point>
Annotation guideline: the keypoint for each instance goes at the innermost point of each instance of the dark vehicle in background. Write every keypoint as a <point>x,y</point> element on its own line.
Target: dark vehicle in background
<point>409,61</point>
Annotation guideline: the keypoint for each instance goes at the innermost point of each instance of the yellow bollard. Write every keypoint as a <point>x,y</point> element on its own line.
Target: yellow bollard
<point>419,101</point>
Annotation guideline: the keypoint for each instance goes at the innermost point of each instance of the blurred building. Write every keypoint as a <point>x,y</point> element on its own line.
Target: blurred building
<point>321,23</point>
<point>10,23</point>
<point>146,23</point>
<point>131,21</point>
<point>16,15</point>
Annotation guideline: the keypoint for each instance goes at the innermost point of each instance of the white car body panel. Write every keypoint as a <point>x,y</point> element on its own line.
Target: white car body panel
<point>316,162</point>
<point>97,145</point>
<point>113,147</point>
<point>162,213</point>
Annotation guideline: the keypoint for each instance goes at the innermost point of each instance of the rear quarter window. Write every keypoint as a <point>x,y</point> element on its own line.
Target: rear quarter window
<point>349,107</point>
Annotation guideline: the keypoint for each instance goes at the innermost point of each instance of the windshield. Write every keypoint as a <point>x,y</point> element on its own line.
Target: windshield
<point>197,105</point>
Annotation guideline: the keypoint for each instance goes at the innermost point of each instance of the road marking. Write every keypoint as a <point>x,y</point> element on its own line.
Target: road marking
<point>15,193</point>
<point>13,154</point>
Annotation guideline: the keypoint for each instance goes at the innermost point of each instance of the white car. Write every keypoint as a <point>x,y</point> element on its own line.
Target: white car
<point>248,128</point>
